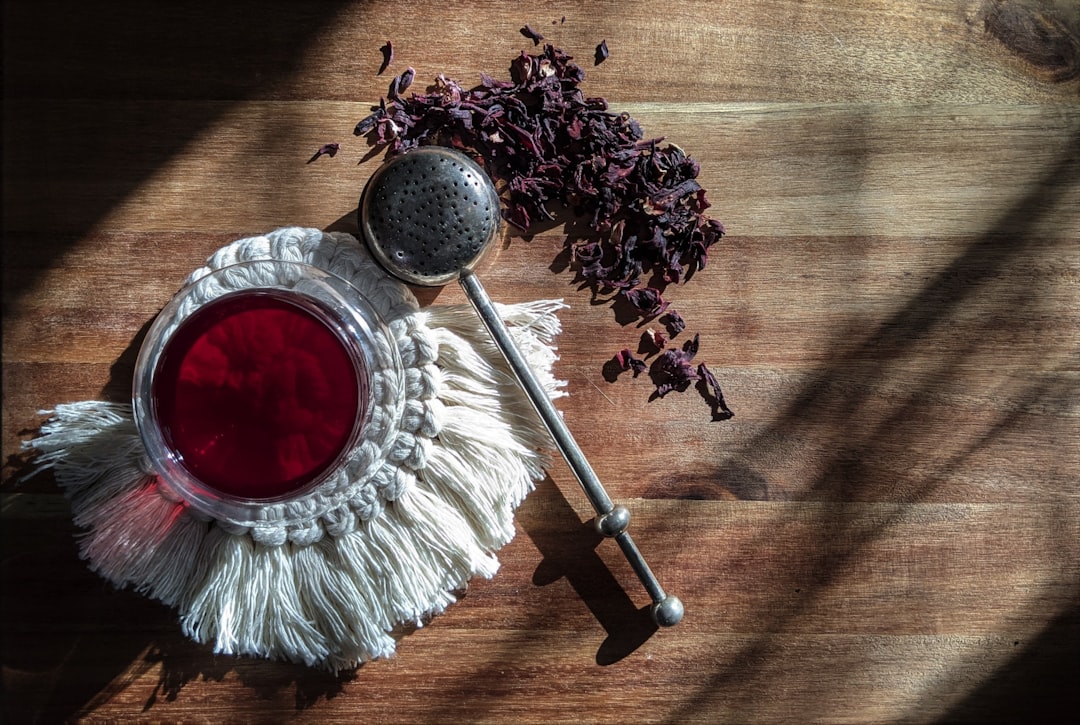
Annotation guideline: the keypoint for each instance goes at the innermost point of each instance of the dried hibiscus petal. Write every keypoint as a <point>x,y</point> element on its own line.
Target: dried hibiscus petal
<point>367,124</point>
<point>674,322</point>
<point>647,301</point>
<point>626,361</point>
<point>653,340</point>
<point>329,149</point>
<point>387,57</point>
<point>602,53</point>
<point>673,370</point>
<point>532,35</point>
<point>710,390</point>
<point>400,84</point>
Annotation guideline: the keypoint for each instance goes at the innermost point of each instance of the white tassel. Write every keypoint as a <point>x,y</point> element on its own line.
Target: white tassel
<point>340,598</point>
<point>245,600</point>
<point>132,535</point>
<point>208,611</point>
<point>486,508</point>
<point>143,539</point>
<point>93,448</point>
<point>165,577</point>
<point>285,629</point>
<point>469,358</point>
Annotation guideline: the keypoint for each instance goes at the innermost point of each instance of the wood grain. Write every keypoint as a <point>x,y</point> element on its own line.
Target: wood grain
<point>887,531</point>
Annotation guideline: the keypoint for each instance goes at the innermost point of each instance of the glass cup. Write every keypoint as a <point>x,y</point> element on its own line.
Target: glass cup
<point>258,382</point>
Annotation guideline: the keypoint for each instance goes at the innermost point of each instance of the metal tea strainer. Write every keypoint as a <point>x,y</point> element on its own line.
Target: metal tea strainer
<point>427,217</point>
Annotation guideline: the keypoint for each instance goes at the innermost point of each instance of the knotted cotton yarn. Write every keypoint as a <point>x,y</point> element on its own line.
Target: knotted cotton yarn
<point>326,577</point>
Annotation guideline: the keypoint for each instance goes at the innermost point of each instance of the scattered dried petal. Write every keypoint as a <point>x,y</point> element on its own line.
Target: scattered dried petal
<point>653,340</point>
<point>709,388</point>
<point>329,149</point>
<point>647,301</point>
<point>367,125</point>
<point>401,84</point>
<point>602,53</point>
<point>532,35</point>
<point>626,361</point>
<point>388,57</point>
<point>674,322</point>
<point>672,369</point>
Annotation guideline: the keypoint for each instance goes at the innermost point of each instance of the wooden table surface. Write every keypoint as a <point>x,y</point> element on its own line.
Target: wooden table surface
<point>888,530</point>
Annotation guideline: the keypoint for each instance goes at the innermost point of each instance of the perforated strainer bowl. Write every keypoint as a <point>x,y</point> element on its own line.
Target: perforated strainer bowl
<point>427,216</point>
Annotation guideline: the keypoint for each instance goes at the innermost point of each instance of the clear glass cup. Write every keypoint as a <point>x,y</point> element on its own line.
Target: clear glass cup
<point>266,371</point>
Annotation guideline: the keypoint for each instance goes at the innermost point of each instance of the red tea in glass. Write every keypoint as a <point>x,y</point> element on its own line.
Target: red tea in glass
<point>258,393</point>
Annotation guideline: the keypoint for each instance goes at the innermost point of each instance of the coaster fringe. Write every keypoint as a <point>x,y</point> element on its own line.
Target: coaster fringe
<point>339,592</point>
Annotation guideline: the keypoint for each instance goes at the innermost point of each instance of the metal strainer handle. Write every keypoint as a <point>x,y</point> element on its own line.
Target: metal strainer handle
<point>427,215</point>
<point>611,520</point>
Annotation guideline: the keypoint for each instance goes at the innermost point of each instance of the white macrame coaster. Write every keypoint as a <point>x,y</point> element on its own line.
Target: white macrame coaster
<point>327,578</point>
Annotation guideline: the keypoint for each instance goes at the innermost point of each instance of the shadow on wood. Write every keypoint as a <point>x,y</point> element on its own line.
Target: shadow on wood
<point>843,387</point>
<point>568,546</point>
<point>93,53</point>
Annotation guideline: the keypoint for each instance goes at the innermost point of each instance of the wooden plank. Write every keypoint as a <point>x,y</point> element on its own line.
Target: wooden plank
<point>863,611</point>
<point>855,680</point>
<point>879,368</point>
<point>772,170</point>
<point>966,51</point>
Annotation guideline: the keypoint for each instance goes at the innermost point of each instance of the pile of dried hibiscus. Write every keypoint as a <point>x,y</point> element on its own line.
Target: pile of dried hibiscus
<point>553,151</point>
